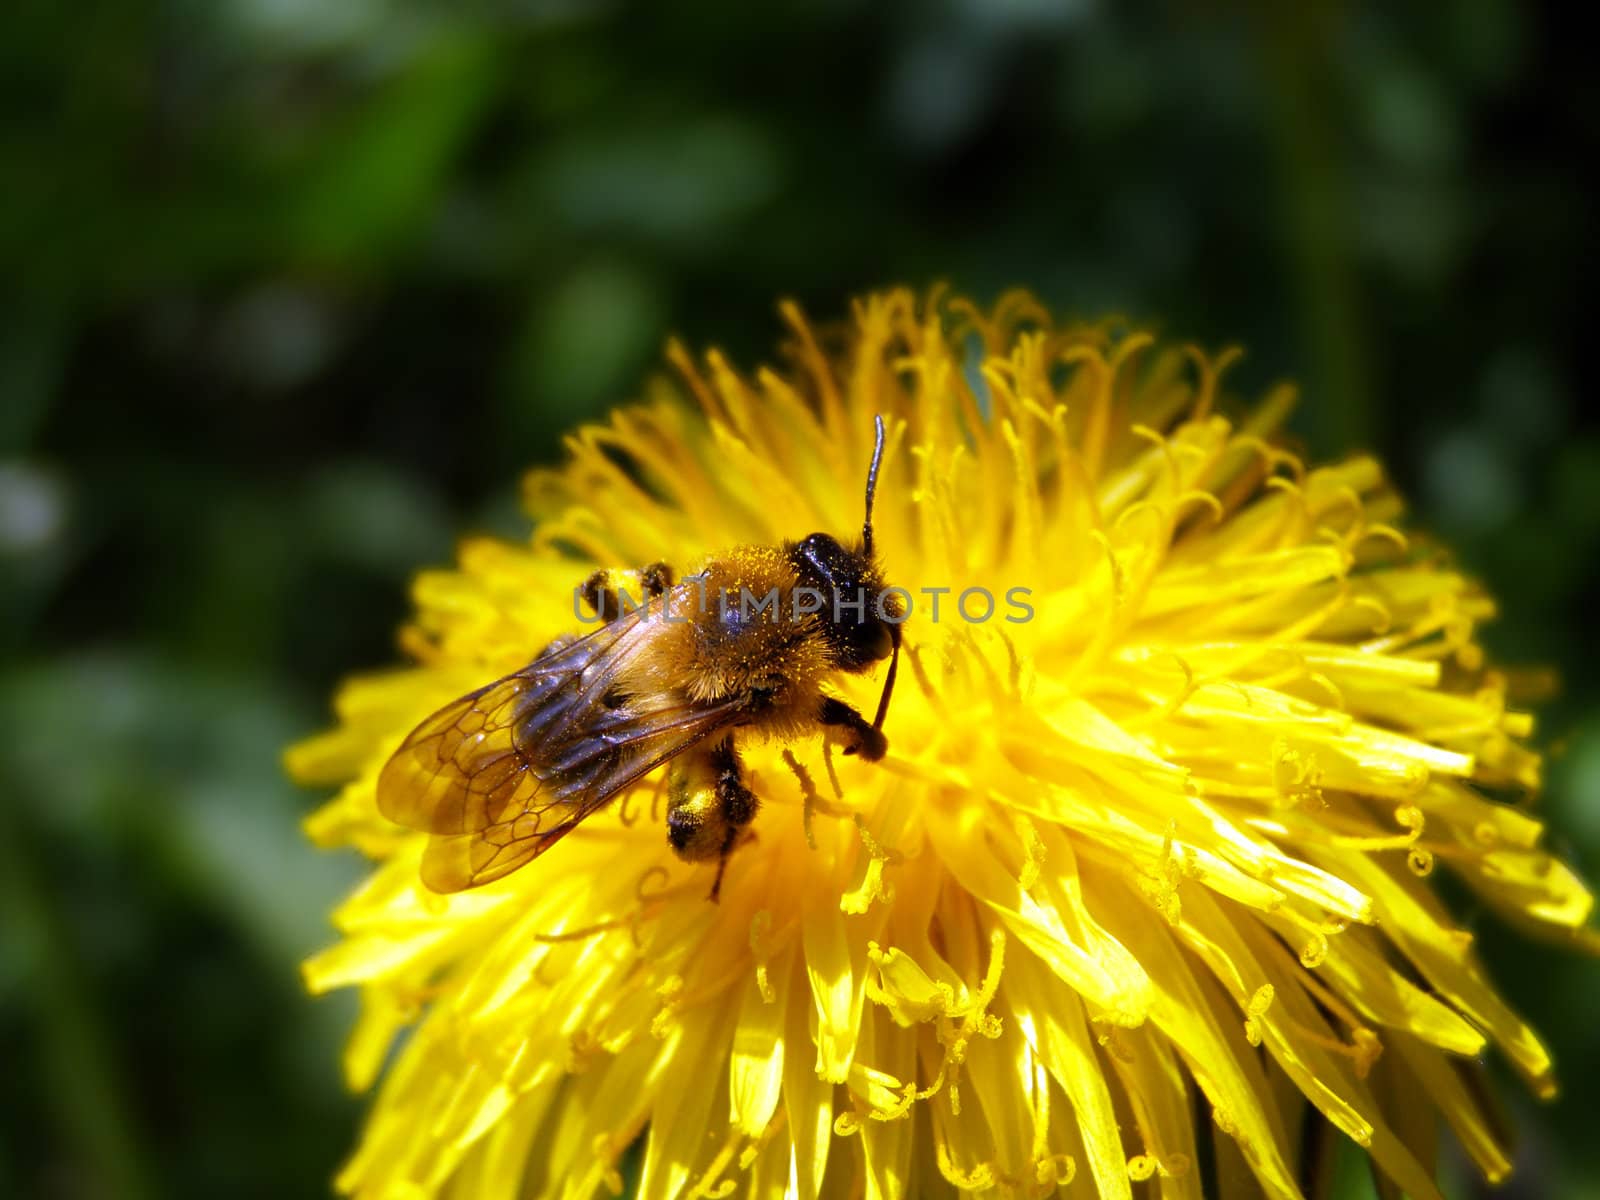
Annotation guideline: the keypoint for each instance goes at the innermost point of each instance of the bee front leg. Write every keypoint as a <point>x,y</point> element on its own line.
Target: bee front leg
<point>608,594</point>
<point>869,742</point>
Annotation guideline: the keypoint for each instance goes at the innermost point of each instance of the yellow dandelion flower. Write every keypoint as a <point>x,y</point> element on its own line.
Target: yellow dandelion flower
<point>1157,846</point>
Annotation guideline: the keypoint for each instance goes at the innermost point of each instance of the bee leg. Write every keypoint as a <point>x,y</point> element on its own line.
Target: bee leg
<point>608,594</point>
<point>600,597</point>
<point>708,806</point>
<point>869,741</point>
<point>655,579</point>
<point>736,803</point>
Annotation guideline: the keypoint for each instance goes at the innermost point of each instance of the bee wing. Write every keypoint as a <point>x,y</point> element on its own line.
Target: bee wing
<point>501,774</point>
<point>454,862</point>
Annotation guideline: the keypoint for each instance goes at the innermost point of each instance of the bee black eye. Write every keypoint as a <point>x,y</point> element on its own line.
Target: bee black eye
<point>849,589</point>
<point>875,641</point>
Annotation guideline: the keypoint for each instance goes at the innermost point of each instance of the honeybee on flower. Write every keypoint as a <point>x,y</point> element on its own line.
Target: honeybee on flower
<point>1161,849</point>
<point>504,773</point>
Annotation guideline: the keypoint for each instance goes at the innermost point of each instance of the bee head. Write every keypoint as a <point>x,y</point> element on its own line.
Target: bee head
<point>861,621</point>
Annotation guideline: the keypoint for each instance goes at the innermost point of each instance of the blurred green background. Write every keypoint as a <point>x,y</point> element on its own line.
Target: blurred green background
<point>295,289</point>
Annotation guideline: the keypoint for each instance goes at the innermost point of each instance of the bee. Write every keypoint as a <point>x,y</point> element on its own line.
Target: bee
<point>743,646</point>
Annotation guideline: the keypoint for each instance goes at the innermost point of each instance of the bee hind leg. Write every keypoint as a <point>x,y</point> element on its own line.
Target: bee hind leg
<point>610,594</point>
<point>737,803</point>
<point>709,808</point>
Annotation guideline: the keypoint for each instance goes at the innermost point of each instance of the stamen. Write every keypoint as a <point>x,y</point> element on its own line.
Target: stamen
<point>1170,706</point>
<point>605,1151</point>
<point>1205,499</point>
<point>1210,371</point>
<point>1041,1112</point>
<point>1257,1007</point>
<point>980,1178</point>
<point>1386,533</point>
<point>1032,848</point>
<point>873,887</point>
<point>978,1022</point>
<point>834,418</point>
<point>641,889</point>
<point>1028,520</point>
<point>1171,867</point>
<point>584,932</point>
<point>1112,1039</point>
<point>1296,775</point>
<point>1384,615</point>
<point>655,798</point>
<point>1056,1171</point>
<point>1110,617</point>
<point>1272,456</point>
<point>808,793</point>
<point>678,355</point>
<point>811,802</point>
<point>1335,696</point>
<point>1314,952</point>
<point>711,1185</point>
<point>753,1149</point>
<point>760,927</point>
<point>670,993</point>
<point>1015,676</point>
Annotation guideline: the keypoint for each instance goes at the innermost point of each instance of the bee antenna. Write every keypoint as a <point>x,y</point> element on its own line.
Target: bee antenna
<point>872,484</point>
